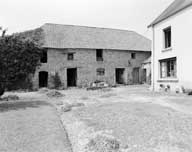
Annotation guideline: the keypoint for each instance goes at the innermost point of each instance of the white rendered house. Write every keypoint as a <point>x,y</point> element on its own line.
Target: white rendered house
<point>172,47</point>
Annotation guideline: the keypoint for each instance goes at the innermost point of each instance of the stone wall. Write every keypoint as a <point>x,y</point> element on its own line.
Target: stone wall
<point>147,67</point>
<point>86,64</point>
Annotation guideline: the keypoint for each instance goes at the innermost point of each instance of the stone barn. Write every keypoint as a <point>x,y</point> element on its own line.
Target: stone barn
<point>81,55</point>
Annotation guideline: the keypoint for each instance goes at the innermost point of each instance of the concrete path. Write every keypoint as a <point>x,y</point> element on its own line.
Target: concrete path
<point>31,127</point>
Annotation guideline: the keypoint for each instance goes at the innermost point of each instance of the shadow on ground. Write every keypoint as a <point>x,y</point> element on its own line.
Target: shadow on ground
<point>7,106</point>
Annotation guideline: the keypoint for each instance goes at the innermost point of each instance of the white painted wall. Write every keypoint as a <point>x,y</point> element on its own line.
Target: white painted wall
<point>181,28</point>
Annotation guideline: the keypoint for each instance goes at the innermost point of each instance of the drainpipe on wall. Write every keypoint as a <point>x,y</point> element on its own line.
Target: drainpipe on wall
<point>153,58</point>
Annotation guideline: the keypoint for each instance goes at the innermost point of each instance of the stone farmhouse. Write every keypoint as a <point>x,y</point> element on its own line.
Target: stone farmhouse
<point>171,48</point>
<point>81,55</point>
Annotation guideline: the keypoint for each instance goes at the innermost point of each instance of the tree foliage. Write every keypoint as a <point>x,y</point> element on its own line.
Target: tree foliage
<point>19,59</point>
<point>3,31</point>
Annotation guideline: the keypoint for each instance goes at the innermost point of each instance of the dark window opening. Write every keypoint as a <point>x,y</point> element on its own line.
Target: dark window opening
<point>70,56</point>
<point>44,57</point>
<point>99,54</point>
<point>100,71</point>
<point>168,68</point>
<point>133,55</point>
<point>167,37</point>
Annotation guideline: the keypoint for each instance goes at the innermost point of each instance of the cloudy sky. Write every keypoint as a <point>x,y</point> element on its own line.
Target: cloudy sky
<point>20,15</point>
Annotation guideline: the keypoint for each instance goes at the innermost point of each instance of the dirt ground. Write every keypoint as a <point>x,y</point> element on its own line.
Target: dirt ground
<point>31,126</point>
<point>140,120</point>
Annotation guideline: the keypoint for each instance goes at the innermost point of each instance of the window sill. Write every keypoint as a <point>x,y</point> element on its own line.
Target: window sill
<point>100,61</point>
<point>168,80</point>
<point>167,49</point>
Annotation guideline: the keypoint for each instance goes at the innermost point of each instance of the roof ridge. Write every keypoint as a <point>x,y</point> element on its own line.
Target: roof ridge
<point>89,27</point>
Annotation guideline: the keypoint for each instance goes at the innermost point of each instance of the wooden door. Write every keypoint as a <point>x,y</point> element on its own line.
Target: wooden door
<point>136,75</point>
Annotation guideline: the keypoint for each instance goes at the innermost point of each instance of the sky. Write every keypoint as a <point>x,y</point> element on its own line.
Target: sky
<point>136,15</point>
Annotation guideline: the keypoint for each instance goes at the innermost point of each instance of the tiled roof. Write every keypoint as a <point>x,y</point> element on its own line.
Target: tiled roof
<point>70,36</point>
<point>173,8</point>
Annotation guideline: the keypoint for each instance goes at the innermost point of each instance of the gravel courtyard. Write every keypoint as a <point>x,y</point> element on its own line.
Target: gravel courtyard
<point>141,120</point>
<point>122,119</point>
<point>31,126</point>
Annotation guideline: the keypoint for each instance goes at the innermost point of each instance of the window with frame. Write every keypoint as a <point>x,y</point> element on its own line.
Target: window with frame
<point>44,56</point>
<point>167,37</point>
<point>168,68</point>
<point>99,54</point>
<point>70,56</point>
<point>133,55</point>
<point>100,71</point>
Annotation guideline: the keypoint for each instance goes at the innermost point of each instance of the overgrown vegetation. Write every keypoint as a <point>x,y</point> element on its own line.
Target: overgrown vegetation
<point>19,59</point>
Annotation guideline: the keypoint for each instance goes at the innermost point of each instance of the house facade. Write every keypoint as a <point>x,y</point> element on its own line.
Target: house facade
<point>171,48</point>
<point>81,55</point>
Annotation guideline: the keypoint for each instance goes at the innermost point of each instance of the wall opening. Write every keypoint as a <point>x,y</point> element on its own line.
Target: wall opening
<point>72,77</point>
<point>119,72</point>
<point>44,56</point>
<point>43,79</point>
<point>100,71</point>
<point>168,68</point>
<point>133,55</point>
<point>99,54</point>
<point>167,37</point>
<point>70,56</point>
<point>144,76</point>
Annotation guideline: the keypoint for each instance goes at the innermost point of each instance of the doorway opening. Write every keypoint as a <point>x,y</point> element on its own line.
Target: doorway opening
<point>43,79</point>
<point>119,72</point>
<point>72,77</point>
<point>135,75</point>
<point>144,75</point>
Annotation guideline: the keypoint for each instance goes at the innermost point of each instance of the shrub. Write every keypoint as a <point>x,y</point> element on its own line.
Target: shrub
<point>56,81</point>
<point>2,90</point>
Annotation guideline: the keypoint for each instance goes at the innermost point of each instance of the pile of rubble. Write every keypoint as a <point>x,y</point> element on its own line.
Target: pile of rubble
<point>98,85</point>
<point>103,143</point>
<point>54,94</point>
<point>68,106</point>
<point>10,98</point>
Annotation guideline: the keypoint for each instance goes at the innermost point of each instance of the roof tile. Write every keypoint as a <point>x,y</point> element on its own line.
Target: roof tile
<point>70,36</point>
